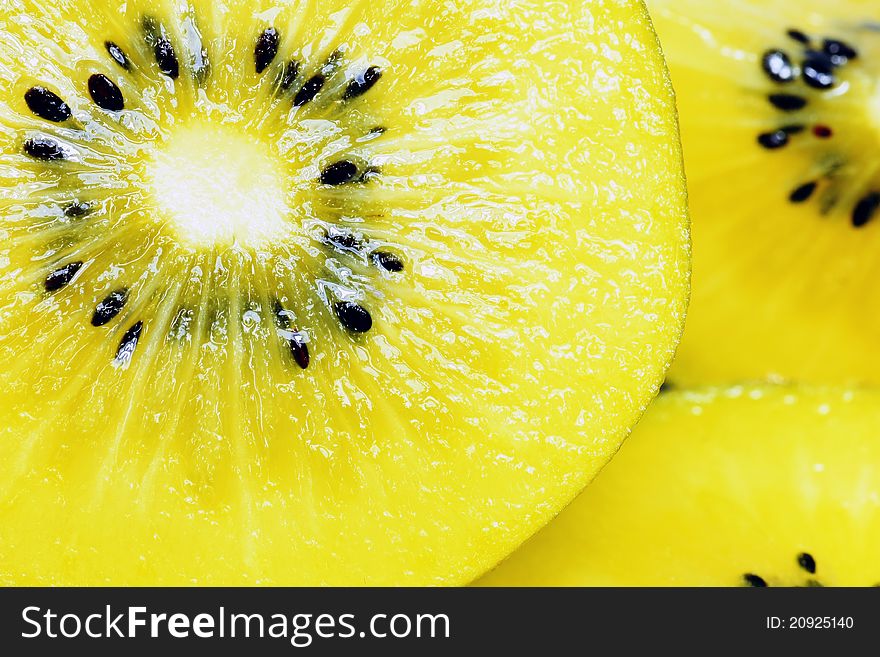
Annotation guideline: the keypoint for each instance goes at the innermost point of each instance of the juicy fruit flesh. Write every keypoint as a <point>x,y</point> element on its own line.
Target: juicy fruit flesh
<point>441,349</point>
<point>725,487</point>
<point>220,188</point>
<point>784,238</point>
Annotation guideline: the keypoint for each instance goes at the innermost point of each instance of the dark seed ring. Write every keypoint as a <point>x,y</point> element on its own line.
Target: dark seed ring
<point>106,94</point>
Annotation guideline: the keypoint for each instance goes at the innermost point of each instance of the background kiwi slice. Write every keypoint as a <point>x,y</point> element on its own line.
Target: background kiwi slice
<point>323,293</point>
<point>780,113</point>
<point>741,486</point>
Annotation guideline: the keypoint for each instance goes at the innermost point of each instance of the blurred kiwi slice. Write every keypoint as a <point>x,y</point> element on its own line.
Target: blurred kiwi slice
<point>323,293</point>
<point>780,112</point>
<point>755,486</point>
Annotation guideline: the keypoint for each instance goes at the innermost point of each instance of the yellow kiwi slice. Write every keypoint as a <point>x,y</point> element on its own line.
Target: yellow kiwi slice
<point>780,113</point>
<point>323,293</point>
<point>742,486</point>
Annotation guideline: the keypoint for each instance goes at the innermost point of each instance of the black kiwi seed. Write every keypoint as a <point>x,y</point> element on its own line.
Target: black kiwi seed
<point>818,73</point>
<point>105,93</point>
<point>129,341</point>
<point>754,580</point>
<point>772,140</point>
<point>298,347</point>
<point>798,36</point>
<point>807,562</point>
<point>45,148</point>
<point>388,261</point>
<point>299,350</point>
<point>62,276</point>
<point>362,83</point>
<point>865,209</point>
<point>77,209</point>
<point>353,317</point>
<point>288,75</point>
<point>163,51</point>
<point>266,49</point>
<point>787,102</point>
<point>342,239</point>
<point>339,173</point>
<point>309,90</point>
<point>109,307</point>
<point>838,51</point>
<point>166,59</point>
<point>802,193</point>
<point>47,104</point>
<point>118,55</point>
<point>778,67</point>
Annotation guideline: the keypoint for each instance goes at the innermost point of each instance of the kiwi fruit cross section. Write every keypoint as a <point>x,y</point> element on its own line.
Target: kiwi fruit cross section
<point>779,104</point>
<point>746,486</point>
<point>323,293</point>
<point>302,83</point>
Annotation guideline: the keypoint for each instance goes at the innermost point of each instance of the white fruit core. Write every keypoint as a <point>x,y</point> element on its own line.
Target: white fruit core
<point>220,188</point>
